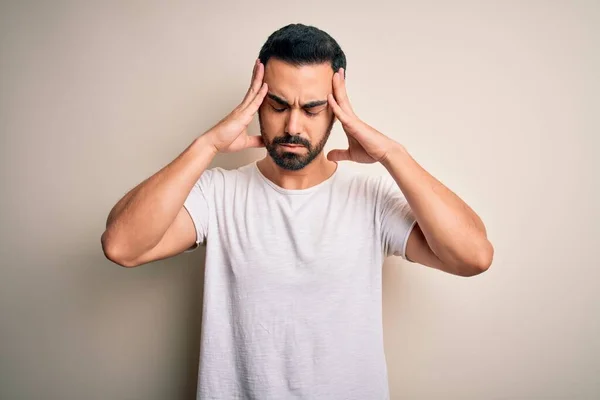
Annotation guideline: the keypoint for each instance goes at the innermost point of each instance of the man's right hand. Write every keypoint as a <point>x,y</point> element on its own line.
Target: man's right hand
<point>230,134</point>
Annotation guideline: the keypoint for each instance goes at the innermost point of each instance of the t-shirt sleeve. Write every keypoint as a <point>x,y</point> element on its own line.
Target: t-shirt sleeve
<point>397,218</point>
<point>197,206</point>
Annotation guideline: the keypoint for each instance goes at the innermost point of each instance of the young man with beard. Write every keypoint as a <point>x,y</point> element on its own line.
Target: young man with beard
<point>295,242</point>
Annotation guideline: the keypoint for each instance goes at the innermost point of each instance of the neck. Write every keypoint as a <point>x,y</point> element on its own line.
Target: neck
<point>319,170</point>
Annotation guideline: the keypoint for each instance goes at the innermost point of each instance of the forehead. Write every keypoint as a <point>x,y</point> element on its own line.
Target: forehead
<point>307,82</point>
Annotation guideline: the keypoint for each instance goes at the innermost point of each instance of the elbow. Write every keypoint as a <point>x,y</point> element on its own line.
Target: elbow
<point>476,263</point>
<point>112,253</point>
<point>483,259</point>
<point>487,256</point>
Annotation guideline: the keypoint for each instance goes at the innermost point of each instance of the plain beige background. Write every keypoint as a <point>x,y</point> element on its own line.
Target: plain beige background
<point>498,100</point>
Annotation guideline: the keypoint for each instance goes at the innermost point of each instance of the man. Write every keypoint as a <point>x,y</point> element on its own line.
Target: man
<point>295,242</point>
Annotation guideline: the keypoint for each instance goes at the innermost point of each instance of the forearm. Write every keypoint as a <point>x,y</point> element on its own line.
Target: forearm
<point>453,231</point>
<point>140,219</point>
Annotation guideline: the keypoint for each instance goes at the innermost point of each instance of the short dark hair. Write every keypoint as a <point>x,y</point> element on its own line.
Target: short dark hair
<point>300,44</point>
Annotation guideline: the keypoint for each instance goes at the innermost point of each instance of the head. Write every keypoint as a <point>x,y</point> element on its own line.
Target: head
<point>295,119</point>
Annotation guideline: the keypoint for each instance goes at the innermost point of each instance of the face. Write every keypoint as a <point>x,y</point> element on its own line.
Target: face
<point>295,119</point>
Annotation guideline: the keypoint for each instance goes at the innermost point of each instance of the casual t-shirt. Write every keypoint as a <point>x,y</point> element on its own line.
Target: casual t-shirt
<point>292,288</point>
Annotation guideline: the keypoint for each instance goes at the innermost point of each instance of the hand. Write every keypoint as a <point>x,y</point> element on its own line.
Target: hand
<point>230,134</point>
<point>365,144</point>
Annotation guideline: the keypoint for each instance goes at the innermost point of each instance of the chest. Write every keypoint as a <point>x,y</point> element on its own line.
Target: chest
<point>295,241</point>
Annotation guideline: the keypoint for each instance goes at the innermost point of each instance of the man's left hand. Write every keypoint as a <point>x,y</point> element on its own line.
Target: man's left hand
<point>365,143</point>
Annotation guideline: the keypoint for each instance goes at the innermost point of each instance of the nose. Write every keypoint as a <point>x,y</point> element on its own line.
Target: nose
<point>293,123</point>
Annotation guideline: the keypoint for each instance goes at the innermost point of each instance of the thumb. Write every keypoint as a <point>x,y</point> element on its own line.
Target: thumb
<point>255,141</point>
<point>338,155</point>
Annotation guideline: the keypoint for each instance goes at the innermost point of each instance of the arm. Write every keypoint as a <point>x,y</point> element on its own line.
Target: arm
<point>150,222</point>
<point>140,220</point>
<point>449,233</point>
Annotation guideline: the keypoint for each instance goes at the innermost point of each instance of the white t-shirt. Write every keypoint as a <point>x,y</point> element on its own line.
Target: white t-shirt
<point>292,287</point>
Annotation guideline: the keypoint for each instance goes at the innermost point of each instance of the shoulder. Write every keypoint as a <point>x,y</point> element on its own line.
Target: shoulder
<point>355,179</point>
<point>369,188</point>
<point>244,171</point>
<point>218,177</point>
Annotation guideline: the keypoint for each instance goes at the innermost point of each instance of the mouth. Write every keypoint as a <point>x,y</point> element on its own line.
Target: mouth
<point>291,146</point>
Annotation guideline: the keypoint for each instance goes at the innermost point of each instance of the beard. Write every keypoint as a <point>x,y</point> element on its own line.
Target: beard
<point>292,161</point>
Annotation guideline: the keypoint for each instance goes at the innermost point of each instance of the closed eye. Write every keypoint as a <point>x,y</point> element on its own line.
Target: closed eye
<point>280,110</point>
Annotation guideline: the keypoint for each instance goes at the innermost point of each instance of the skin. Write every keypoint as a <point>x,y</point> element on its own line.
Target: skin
<point>448,236</point>
<point>296,104</point>
<point>149,222</point>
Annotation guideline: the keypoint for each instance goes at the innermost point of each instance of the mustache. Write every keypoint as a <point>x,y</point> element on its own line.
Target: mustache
<point>289,139</point>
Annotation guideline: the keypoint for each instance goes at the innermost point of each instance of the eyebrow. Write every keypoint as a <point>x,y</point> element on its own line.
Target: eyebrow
<point>284,102</point>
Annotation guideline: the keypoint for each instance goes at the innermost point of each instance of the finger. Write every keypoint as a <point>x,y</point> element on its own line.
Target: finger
<point>254,70</point>
<point>252,88</point>
<point>255,141</point>
<point>339,90</point>
<point>253,76</point>
<point>342,94</point>
<point>338,155</point>
<point>337,110</point>
<point>253,106</point>
<point>255,86</point>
